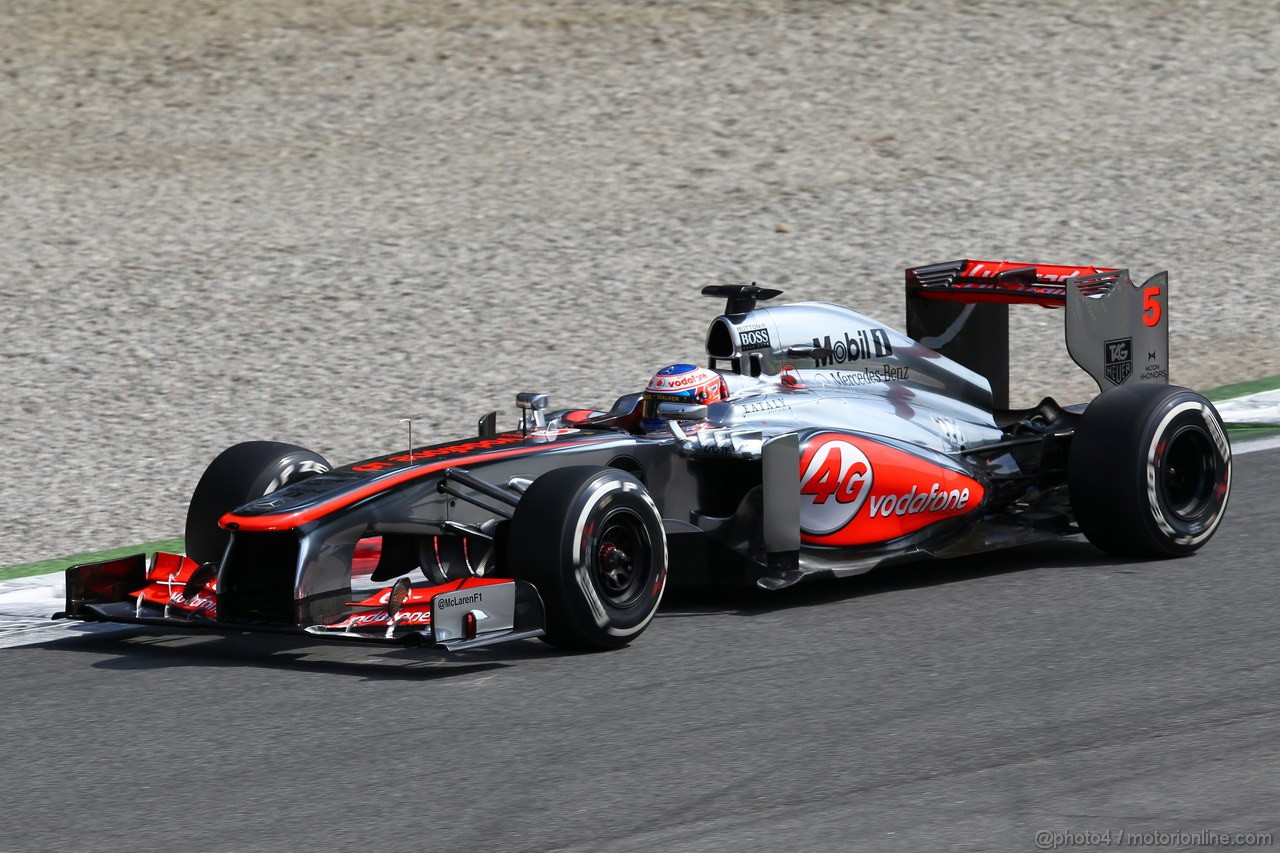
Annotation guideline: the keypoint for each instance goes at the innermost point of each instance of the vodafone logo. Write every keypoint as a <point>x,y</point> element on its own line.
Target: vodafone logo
<point>857,491</point>
<point>833,486</point>
<point>937,499</point>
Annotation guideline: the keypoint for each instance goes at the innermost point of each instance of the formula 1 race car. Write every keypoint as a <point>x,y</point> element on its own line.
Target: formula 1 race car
<point>817,442</point>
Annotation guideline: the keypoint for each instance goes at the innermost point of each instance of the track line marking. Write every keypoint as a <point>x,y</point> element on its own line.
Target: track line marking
<point>1255,445</point>
<point>35,634</point>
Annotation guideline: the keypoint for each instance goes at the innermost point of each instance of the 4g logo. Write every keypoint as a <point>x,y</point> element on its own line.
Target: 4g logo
<point>836,479</point>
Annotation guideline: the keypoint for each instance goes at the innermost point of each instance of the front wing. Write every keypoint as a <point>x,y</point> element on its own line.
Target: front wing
<point>173,591</point>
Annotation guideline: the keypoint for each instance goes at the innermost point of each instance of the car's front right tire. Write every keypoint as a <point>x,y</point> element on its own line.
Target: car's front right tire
<point>236,476</point>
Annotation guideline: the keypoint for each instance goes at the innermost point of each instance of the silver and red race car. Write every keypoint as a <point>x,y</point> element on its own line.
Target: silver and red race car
<point>817,442</point>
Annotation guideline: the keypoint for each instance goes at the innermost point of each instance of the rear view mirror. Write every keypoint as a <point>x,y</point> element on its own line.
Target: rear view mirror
<point>681,411</point>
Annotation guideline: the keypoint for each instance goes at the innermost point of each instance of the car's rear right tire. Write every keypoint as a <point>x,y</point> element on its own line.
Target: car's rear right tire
<point>1149,471</point>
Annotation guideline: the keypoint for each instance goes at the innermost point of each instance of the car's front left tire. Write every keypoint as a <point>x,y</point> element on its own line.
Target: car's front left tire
<point>592,541</point>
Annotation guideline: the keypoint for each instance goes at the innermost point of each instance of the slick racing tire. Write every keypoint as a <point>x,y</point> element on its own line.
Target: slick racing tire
<point>1149,471</point>
<point>238,475</point>
<point>591,540</point>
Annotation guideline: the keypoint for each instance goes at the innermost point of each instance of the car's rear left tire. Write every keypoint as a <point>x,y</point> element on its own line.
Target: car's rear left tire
<point>236,476</point>
<point>592,541</point>
<point>1149,471</point>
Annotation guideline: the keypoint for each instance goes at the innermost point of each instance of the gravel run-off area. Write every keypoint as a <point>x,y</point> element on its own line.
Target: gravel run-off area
<point>292,220</point>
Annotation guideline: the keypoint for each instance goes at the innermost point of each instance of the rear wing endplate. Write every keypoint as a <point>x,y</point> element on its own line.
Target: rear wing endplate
<point>1116,331</point>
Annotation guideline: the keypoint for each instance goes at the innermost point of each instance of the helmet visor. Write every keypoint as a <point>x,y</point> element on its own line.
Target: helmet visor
<point>650,402</point>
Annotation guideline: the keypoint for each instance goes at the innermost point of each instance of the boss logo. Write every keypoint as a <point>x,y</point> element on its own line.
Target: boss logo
<point>754,339</point>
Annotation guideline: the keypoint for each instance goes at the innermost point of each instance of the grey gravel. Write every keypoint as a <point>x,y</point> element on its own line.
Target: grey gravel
<point>231,220</point>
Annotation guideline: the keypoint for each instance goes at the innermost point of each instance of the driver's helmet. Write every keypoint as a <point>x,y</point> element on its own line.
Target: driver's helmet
<point>680,383</point>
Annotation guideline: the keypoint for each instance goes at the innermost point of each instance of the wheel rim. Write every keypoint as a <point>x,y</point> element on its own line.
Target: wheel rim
<point>1188,473</point>
<point>621,555</point>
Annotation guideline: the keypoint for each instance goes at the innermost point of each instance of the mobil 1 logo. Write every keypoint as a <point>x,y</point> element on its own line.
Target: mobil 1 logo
<point>1117,360</point>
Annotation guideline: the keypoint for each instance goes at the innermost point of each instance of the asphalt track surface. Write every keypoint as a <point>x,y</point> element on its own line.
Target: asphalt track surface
<point>951,706</point>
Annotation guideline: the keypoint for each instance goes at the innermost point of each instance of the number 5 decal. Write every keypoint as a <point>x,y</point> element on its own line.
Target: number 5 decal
<point>1150,307</point>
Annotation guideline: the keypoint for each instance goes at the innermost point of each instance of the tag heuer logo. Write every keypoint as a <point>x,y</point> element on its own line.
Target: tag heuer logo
<point>1117,359</point>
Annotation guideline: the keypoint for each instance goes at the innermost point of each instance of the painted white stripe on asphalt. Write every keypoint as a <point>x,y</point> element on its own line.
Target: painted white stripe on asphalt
<point>25,607</point>
<point>35,633</point>
<point>37,597</point>
<point>1255,445</point>
<point>1260,408</point>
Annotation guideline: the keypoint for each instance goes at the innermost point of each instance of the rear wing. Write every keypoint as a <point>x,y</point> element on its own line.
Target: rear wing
<point>1116,331</point>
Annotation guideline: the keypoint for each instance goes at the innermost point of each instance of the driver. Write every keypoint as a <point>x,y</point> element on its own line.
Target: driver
<point>679,383</point>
